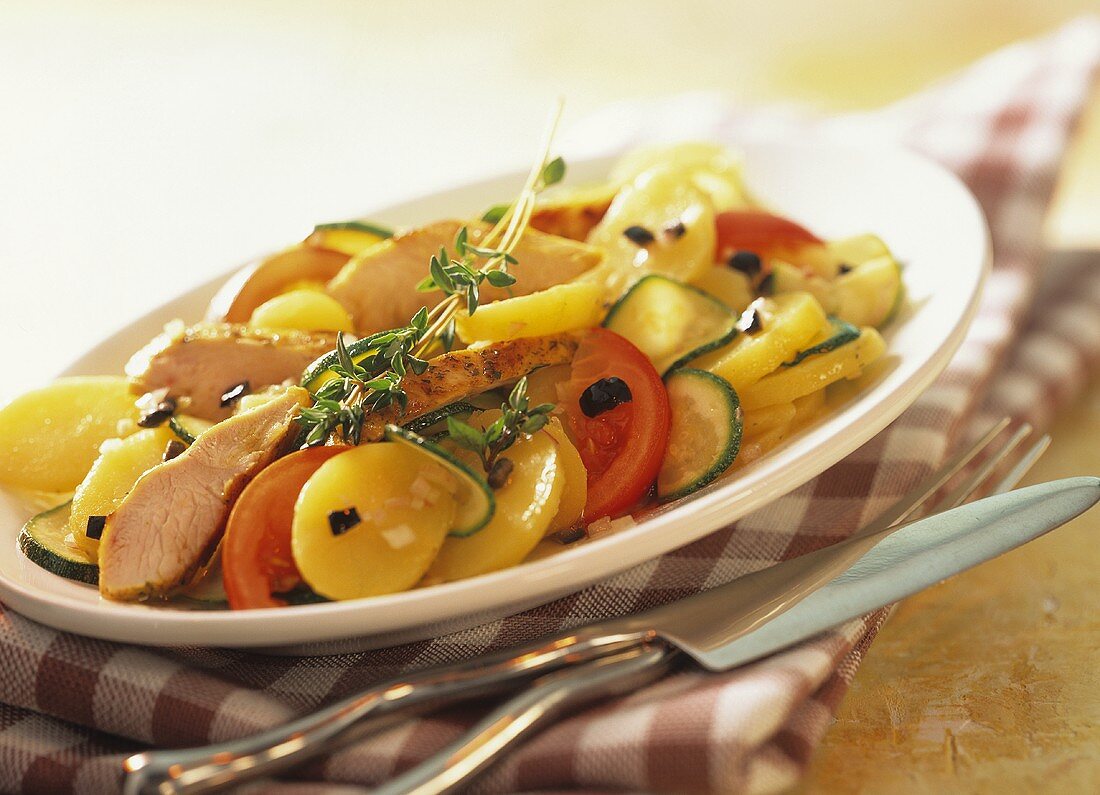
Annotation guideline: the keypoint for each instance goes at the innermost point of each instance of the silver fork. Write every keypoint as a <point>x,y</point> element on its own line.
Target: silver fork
<point>212,767</point>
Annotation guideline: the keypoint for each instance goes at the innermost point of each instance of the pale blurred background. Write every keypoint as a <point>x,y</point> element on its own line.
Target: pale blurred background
<point>148,146</point>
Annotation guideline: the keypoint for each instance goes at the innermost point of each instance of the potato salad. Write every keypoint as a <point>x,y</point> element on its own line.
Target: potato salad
<point>372,410</point>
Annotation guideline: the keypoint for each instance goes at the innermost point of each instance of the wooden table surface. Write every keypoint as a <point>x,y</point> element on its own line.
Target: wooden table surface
<point>179,137</point>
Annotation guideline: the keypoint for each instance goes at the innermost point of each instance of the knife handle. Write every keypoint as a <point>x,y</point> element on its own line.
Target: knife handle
<point>451,767</point>
<point>212,767</point>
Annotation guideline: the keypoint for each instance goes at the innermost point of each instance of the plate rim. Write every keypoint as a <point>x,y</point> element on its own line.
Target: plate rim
<point>302,624</point>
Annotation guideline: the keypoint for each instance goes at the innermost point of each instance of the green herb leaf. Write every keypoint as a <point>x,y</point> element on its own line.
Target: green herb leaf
<point>500,279</point>
<point>465,435</point>
<point>553,172</point>
<point>495,213</point>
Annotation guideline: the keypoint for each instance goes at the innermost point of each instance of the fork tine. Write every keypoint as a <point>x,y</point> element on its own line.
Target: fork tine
<point>908,504</point>
<point>973,482</point>
<point>1026,462</point>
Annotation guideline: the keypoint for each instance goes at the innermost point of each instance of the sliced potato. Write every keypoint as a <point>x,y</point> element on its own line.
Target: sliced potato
<point>575,491</point>
<point>404,504</point>
<point>815,372</point>
<point>572,211</point>
<point>657,201</point>
<point>50,437</point>
<point>526,506</point>
<point>711,168</point>
<point>788,323</point>
<point>765,418</point>
<point>121,462</point>
<point>564,307</point>
<point>253,285</point>
<point>345,239</point>
<point>789,278</point>
<point>542,384</point>
<point>855,250</point>
<point>732,288</point>
<point>304,310</point>
<point>807,409</point>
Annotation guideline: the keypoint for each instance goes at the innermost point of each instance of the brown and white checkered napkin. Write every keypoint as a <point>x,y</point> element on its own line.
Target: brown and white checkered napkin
<point>71,708</point>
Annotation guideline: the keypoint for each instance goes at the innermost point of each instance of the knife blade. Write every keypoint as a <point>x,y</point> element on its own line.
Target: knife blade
<point>772,609</point>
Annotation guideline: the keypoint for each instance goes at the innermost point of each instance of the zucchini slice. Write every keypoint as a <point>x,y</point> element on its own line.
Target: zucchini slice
<point>187,428</point>
<point>356,226</point>
<point>841,333</point>
<point>671,322</point>
<point>869,294</point>
<point>320,371</point>
<point>476,503</point>
<point>706,432</point>
<point>42,540</point>
<point>424,424</point>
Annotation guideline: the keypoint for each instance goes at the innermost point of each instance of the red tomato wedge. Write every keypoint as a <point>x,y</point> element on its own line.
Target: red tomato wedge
<point>623,447</point>
<point>257,562</point>
<point>762,233</point>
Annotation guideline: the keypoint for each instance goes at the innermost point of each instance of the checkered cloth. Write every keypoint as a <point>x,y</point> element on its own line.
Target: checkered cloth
<point>72,708</point>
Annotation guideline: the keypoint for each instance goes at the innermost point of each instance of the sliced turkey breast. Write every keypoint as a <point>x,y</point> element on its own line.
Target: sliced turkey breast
<point>206,361</point>
<point>461,374</point>
<point>379,289</point>
<point>170,523</point>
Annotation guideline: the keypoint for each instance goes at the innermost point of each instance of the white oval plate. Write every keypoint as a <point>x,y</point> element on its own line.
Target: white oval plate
<point>924,213</point>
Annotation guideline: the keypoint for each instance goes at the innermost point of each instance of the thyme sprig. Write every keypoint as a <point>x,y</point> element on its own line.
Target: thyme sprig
<point>375,382</point>
<point>518,418</point>
<point>372,383</point>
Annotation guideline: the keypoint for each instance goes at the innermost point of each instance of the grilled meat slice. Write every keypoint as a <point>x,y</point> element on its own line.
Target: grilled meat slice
<point>460,374</point>
<point>206,361</point>
<point>379,290</point>
<point>169,525</point>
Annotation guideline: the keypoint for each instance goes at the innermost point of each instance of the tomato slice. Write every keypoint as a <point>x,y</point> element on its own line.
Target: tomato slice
<point>622,448</point>
<point>762,233</point>
<point>256,559</point>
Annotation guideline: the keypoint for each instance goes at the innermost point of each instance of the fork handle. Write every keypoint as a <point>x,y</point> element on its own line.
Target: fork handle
<point>455,765</point>
<point>206,769</point>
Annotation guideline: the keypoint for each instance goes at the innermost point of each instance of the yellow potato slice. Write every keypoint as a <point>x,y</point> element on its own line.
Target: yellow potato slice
<point>526,506</point>
<point>50,437</point>
<point>575,491</point>
<point>564,307</point>
<point>542,385</point>
<point>346,241</point>
<point>121,462</point>
<point>732,288</point>
<point>766,418</point>
<point>788,324</point>
<point>712,168</point>
<point>658,200</point>
<point>302,309</point>
<point>815,372</point>
<point>405,505</point>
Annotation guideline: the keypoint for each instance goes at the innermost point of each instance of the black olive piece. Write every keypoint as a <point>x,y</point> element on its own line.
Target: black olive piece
<point>570,536</point>
<point>339,522</point>
<point>95,526</point>
<point>748,262</point>
<point>173,449</point>
<point>234,393</point>
<point>750,322</point>
<point>846,268</point>
<point>500,472</point>
<point>158,415</point>
<point>767,285</point>
<point>675,230</point>
<point>638,235</point>
<point>604,395</point>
